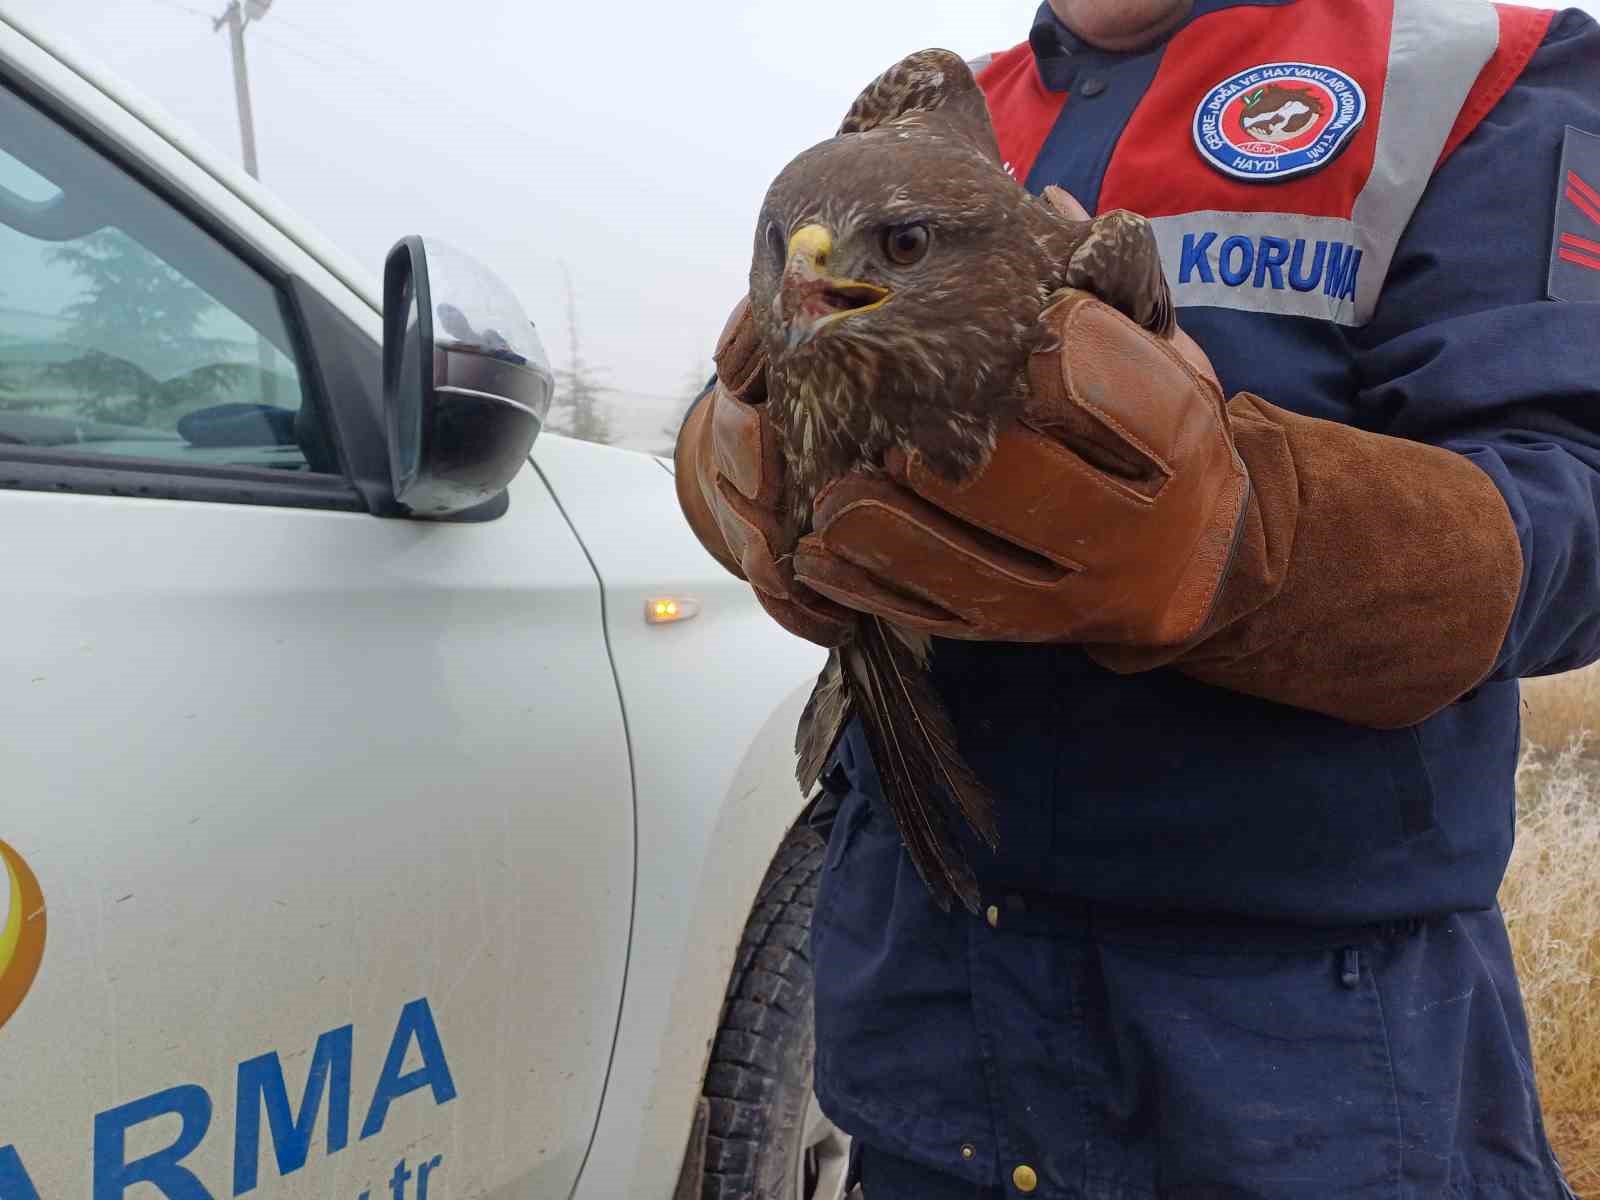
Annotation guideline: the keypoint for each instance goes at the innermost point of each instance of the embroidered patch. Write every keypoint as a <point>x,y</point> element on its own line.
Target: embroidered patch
<point>1278,120</point>
<point>1286,264</point>
<point>1575,246</point>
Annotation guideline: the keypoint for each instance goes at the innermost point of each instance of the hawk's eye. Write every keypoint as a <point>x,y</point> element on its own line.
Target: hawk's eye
<point>906,244</point>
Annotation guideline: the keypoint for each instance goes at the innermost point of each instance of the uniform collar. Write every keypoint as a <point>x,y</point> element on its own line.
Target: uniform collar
<point>1059,52</point>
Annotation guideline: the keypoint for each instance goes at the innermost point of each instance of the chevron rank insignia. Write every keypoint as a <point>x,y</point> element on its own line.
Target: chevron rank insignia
<point>1575,246</point>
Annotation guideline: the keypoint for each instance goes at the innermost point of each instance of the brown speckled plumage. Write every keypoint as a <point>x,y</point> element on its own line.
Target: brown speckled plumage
<point>937,368</point>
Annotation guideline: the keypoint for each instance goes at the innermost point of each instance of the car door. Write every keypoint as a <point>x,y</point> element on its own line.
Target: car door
<point>316,839</point>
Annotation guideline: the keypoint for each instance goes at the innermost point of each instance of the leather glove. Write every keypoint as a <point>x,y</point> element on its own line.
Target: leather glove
<point>1110,516</point>
<point>1303,561</point>
<point>730,482</point>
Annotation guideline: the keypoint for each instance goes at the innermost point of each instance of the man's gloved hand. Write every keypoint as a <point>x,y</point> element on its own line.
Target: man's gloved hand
<point>1110,516</point>
<point>730,483</point>
<point>1365,577</point>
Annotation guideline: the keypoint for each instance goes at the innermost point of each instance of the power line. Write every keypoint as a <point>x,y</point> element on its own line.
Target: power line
<point>383,77</point>
<point>384,74</point>
<point>278,21</point>
<point>317,36</point>
<point>291,48</point>
<point>383,84</point>
<point>184,8</point>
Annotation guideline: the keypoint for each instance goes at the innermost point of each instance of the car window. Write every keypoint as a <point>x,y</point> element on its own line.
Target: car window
<point>125,328</point>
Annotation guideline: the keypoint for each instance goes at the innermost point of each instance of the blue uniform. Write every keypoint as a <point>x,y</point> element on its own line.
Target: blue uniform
<point>1233,948</point>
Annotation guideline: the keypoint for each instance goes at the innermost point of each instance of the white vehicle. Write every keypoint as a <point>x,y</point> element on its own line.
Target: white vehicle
<point>349,852</point>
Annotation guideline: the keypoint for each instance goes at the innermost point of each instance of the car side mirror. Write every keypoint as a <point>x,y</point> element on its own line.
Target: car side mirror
<point>466,384</point>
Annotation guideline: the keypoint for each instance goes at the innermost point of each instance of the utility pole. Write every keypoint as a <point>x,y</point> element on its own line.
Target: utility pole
<point>236,17</point>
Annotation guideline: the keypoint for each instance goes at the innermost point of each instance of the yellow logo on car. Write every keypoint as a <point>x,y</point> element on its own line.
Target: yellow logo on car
<point>21,930</point>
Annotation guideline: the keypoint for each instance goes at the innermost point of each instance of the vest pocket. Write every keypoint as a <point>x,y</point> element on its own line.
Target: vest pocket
<point>1260,1074</point>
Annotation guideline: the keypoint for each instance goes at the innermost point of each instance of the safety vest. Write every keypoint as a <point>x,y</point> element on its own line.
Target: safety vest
<point>1276,151</point>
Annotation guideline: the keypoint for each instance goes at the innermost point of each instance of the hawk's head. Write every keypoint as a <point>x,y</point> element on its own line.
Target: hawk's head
<point>896,276</point>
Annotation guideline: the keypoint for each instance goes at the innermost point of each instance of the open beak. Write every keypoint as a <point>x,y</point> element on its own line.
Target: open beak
<point>809,299</point>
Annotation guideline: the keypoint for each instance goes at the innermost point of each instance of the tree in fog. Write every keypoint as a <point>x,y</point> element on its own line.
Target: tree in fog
<point>693,384</point>
<point>579,408</point>
<point>135,306</point>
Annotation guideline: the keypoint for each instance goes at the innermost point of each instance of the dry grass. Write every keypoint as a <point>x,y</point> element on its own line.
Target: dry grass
<point>1551,899</point>
<point>1557,709</point>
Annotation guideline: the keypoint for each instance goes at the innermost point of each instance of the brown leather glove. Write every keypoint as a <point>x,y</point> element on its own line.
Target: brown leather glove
<point>730,483</point>
<point>1361,576</point>
<point>1112,513</point>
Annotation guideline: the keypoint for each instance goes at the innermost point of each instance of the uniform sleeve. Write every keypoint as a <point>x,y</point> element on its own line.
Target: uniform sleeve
<point>1466,352</point>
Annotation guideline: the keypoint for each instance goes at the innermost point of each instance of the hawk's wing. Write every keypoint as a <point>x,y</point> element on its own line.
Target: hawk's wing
<point>1117,259</point>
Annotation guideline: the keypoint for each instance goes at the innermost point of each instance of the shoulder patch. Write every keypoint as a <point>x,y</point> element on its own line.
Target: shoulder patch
<point>1278,120</point>
<point>1575,244</point>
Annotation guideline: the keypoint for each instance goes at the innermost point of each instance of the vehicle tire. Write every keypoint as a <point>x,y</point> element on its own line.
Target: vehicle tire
<point>766,1137</point>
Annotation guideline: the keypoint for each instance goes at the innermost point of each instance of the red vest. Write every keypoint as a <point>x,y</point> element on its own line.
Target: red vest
<point>1317,245</point>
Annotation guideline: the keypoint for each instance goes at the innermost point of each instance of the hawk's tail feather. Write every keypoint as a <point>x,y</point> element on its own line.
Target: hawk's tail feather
<point>824,719</point>
<point>913,743</point>
<point>933,732</point>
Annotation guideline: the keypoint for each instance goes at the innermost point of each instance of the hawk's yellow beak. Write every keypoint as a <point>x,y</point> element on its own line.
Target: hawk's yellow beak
<point>809,299</point>
<point>812,243</point>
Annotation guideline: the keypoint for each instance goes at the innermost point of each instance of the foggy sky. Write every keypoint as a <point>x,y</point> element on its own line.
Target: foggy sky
<point>631,141</point>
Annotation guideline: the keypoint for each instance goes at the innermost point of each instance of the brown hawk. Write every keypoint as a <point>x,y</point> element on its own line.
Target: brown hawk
<point>898,278</point>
